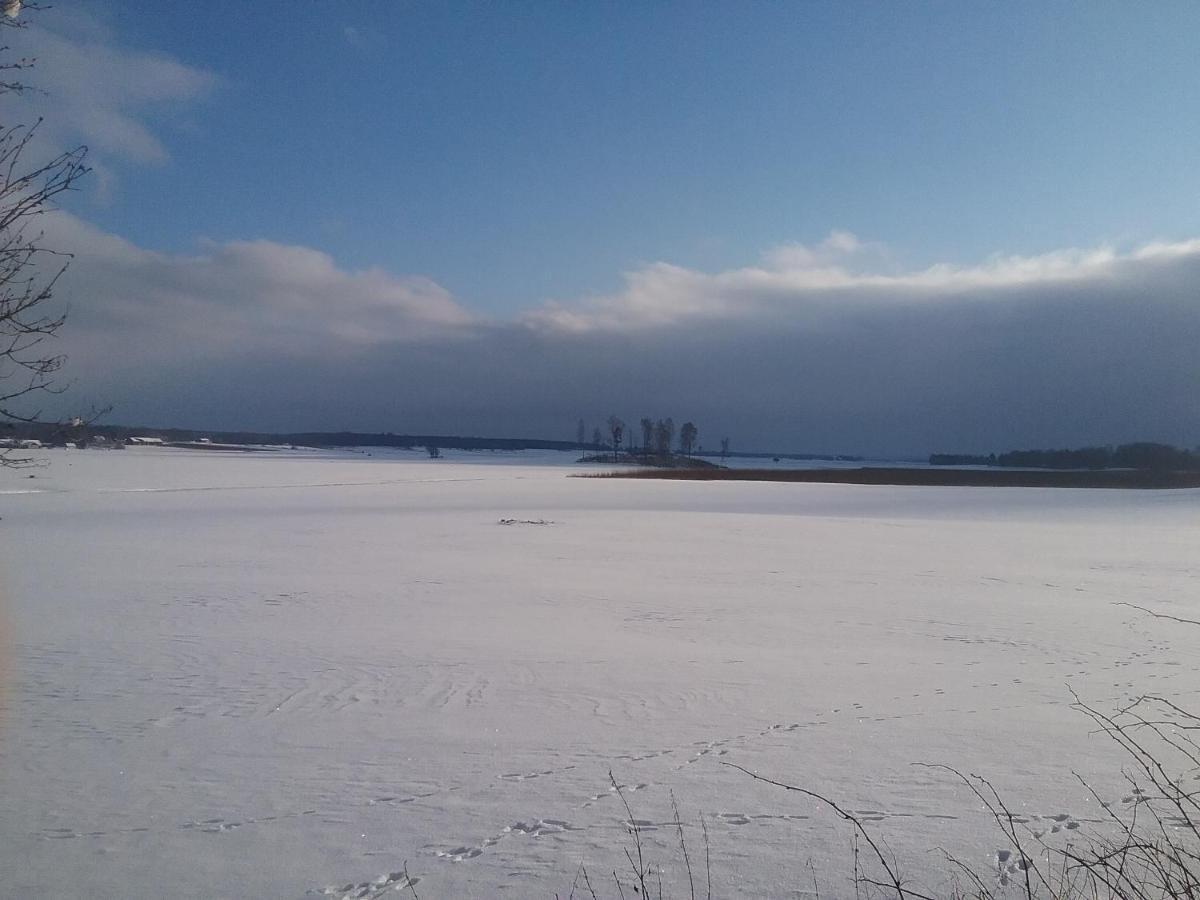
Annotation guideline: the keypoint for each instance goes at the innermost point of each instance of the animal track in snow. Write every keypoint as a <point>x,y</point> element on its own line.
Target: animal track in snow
<point>216,825</point>
<point>707,747</point>
<point>527,776</point>
<point>649,754</point>
<point>365,890</point>
<point>1007,865</point>
<point>397,799</point>
<point>459,854</point>
<point>538,827</point>
<point>58,834</point>
<point>535,828</point>
<point>1058,822</point>
<point>454,692</point>
<point>640,825</point>
<point>611,792</point>
<point>737,820</point>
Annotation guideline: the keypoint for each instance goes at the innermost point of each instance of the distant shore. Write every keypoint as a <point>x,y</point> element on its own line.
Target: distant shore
<point>1136,479</point>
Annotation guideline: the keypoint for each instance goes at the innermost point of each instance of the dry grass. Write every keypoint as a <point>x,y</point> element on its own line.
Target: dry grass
<point>1148,849</point>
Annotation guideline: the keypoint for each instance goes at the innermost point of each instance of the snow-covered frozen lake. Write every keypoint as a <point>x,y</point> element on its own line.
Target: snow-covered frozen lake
<point>266,675</point>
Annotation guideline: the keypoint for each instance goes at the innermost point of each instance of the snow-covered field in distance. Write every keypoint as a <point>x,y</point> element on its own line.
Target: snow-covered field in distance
<point>266,675</point>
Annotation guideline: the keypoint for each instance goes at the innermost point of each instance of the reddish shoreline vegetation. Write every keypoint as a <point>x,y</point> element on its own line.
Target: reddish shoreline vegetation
<point>1135,479</point>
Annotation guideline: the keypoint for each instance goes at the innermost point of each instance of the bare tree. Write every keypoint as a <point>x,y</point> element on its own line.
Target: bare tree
<point>664,433</point>
<point>616,428</point>
<point>724,449</point>
<point>687,438</point>
<point>580,433</point>
<point>597,438</point>
<point>29,270</point>
<point>647,434</point>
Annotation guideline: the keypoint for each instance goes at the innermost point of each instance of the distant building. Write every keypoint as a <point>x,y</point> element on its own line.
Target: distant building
<point>145,441</point>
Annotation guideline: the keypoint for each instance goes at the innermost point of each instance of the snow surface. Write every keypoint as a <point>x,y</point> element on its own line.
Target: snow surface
<point>278,674</point>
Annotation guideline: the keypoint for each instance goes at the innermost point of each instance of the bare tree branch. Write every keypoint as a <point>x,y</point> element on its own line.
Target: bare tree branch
<point>29,269</point>
<point>1157,615</point>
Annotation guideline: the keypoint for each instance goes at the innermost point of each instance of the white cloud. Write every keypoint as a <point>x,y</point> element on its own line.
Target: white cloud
<point>98,92</point>
<point>800,283</point>
<point>1070,347</point>
<point>838,248</point>
<point>235,299</point>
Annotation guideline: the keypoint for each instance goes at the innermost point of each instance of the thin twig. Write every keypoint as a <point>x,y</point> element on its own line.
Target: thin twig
<point>687,861</point>
<point>640,868</point>
<point>894,880</point>
<point>1157,615</point>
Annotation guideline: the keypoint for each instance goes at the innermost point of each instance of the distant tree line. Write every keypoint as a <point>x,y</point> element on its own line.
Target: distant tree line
<point>961,459</point>
<point>55,433</point>
<point>1140,455</point>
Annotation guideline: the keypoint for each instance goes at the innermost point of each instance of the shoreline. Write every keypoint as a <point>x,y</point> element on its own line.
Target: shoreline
<point>1119,479</point>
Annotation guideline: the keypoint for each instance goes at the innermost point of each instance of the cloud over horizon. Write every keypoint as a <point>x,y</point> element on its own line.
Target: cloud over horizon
<point>824,348</point>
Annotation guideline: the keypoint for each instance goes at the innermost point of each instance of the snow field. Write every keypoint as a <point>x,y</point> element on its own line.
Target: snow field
<point>283,675</point>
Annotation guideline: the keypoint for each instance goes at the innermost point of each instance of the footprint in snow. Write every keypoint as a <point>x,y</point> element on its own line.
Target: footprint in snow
<point>640,825</point>
<point>392,881</point>
<point>538,827</point>
<point>458,854</point>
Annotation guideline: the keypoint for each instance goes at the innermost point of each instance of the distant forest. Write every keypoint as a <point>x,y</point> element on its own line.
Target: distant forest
<point>59,433</point>
<point>1142,455</point>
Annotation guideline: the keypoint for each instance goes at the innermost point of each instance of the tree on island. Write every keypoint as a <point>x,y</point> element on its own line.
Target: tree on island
<point>597,438</point>
<point>616,428</point>
<point>724,449</point>
<point>687,438</point>
<point>29,270</point>
<point>664,433</point>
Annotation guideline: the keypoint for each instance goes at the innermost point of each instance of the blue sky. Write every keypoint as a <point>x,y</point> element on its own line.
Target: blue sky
<point>527,213</point>
<point>515,152</point>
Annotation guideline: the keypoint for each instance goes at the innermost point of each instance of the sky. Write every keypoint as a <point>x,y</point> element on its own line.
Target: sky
<point>875,228</point>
